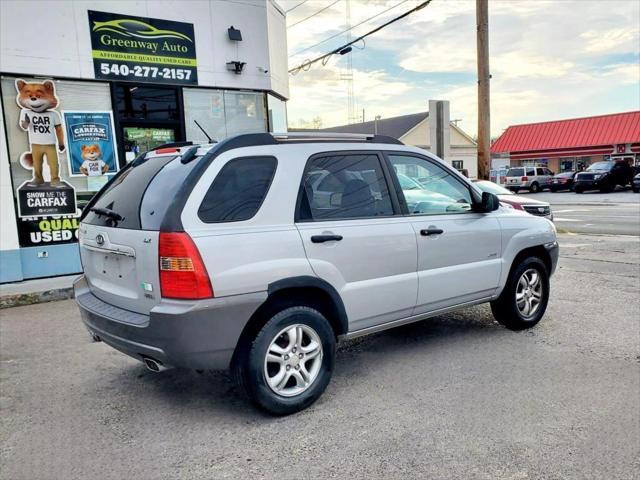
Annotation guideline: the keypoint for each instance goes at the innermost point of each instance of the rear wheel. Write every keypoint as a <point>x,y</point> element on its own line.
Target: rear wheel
<point>289,363</point>
<point>534,188</point>
<point>525,296</point>
<point>578,189</point>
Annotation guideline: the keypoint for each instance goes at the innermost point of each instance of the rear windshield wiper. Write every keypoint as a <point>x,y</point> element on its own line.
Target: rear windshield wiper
<point>107,213</point>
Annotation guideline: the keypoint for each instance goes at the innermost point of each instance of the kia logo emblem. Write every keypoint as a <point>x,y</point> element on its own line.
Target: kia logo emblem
<point>99,239</point>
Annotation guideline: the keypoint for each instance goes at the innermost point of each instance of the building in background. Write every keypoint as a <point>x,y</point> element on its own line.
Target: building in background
<point>430,130</point>
<point>101,82</point>
<point>572,144</point>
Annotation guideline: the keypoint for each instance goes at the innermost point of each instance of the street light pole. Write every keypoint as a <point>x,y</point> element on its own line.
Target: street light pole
<point>484,125</point>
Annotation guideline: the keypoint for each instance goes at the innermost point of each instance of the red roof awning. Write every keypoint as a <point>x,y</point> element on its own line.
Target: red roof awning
<point>567,136</point>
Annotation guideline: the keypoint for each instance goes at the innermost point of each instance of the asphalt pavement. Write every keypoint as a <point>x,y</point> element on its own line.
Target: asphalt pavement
<point>616,213</point>
<point>453,397</point>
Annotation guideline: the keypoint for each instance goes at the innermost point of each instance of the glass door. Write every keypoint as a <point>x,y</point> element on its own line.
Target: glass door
<point>147,116</point>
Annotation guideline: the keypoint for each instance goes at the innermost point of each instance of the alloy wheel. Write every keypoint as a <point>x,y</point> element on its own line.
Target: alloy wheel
<point>293,360</point>
<point>529,293</point>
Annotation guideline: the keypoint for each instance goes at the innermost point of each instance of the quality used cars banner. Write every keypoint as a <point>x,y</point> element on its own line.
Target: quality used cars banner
<point>125,47</point>
<point>90,143</point>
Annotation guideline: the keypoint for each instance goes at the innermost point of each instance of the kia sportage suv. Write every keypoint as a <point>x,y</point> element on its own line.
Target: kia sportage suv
<point>260,252</point>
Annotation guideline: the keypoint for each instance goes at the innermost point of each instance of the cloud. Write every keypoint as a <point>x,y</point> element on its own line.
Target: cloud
<point>618,40</point>
<point>549,60</point>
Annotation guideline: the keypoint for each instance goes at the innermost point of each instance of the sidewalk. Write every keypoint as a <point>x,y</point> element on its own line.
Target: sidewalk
<point>36,291</point>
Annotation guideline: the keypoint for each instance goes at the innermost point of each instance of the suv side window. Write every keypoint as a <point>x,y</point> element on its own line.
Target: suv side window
<point>344,186</point>
<point>238,190</point>
<point>531,172</point>
<point>428,188</point>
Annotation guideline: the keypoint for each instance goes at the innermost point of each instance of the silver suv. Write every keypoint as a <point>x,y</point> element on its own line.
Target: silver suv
<point>534,179</point>
<point>260,252</point>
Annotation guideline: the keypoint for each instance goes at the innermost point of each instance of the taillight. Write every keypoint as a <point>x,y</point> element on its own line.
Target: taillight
<point>524,179</point>
<point>182,272</point>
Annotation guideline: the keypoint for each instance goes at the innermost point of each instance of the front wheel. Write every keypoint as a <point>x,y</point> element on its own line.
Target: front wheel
<point>524,299</point>
<point>289,363</point>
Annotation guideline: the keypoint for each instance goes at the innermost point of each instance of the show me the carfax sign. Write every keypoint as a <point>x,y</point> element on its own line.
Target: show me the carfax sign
<point>138,49</point>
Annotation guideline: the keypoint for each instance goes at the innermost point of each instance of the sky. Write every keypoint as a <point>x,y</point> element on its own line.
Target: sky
<point>549,60</point>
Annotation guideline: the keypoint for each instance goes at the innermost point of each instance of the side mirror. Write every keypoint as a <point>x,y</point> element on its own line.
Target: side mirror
<point>489,202</point>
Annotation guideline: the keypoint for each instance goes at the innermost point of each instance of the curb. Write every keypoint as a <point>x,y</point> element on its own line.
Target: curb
<point>21,299</point>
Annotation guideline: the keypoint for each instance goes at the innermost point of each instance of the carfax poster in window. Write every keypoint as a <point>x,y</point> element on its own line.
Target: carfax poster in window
<point>91,145</point>
<point>46,193</point>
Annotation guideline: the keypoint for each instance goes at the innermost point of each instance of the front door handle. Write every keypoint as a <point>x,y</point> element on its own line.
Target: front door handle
<point>325,238</point>
<point>431,231</point>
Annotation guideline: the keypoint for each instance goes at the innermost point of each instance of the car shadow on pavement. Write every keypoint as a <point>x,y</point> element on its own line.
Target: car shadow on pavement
<point>214,394</point>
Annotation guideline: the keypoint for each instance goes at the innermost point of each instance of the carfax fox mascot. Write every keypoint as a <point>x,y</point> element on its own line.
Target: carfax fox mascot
<point>38,116</point>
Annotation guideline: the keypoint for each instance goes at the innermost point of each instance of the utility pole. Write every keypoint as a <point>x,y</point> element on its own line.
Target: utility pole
<point>484,119</point>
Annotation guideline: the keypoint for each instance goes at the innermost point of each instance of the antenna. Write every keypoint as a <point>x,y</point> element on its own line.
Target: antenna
<point>204,131</point>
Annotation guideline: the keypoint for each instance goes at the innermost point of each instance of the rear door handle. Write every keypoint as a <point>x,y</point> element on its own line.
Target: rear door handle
<point>431,231</point>
<point>325,238</point>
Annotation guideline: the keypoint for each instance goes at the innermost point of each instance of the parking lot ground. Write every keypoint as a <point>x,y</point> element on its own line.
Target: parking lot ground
<point>456,396</point>
<point>616,213</point>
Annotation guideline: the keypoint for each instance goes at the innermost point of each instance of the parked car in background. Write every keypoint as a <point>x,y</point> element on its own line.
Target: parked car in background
<point>260,252</point>
<point>533,179</point>
<point>635,184</point>
<point>509,199</point>
<point>604,176</point>
<point>563,181</point>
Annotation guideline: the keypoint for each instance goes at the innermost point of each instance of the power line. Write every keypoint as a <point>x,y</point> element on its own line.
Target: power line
<point>314,14</point>
<point>296,6</point>
<point>345,31</point>
<point>325,58</point>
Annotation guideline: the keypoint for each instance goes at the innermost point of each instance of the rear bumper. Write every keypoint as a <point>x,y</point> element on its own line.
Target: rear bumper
<point>199,334</point>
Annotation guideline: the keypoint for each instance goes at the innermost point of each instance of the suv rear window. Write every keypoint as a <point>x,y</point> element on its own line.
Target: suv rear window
<point>238,190</point>
<point>142,194</point>
<point>515,172</point>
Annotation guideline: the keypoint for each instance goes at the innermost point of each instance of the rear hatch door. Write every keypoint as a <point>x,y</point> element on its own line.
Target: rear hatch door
<point>119,236</point>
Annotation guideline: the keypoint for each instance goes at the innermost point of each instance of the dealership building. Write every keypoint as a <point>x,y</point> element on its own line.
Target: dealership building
<point>573,144</point>
<point>97,83</point>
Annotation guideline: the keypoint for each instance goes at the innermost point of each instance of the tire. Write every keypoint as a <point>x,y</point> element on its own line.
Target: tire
<point>534,188</point>
<point>515,190</point>
<point>578,189</point>
<point>636,190</point>
<point>553,189</point>
<point>252,371</point>
<point>507,310</point>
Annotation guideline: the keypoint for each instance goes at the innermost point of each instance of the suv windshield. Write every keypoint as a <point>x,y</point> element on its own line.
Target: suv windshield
<point>600,167</point>
<point>142,194</point>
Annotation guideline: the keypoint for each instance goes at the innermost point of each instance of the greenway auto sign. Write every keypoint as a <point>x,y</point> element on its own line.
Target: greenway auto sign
<point>142,49</point>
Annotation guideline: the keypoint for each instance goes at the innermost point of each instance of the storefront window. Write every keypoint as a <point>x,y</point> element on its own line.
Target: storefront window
<point>62,149</point>
<point>72,97</point>
<point>277,114</point>
<point>222,113</point>
<point>147,103</point>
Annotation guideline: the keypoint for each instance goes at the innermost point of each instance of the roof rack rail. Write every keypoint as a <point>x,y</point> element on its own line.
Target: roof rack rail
<point>334,137</point>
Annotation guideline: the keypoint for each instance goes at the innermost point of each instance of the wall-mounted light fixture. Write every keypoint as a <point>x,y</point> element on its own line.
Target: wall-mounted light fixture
<point>236,67</point>
<point>234,34</point>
